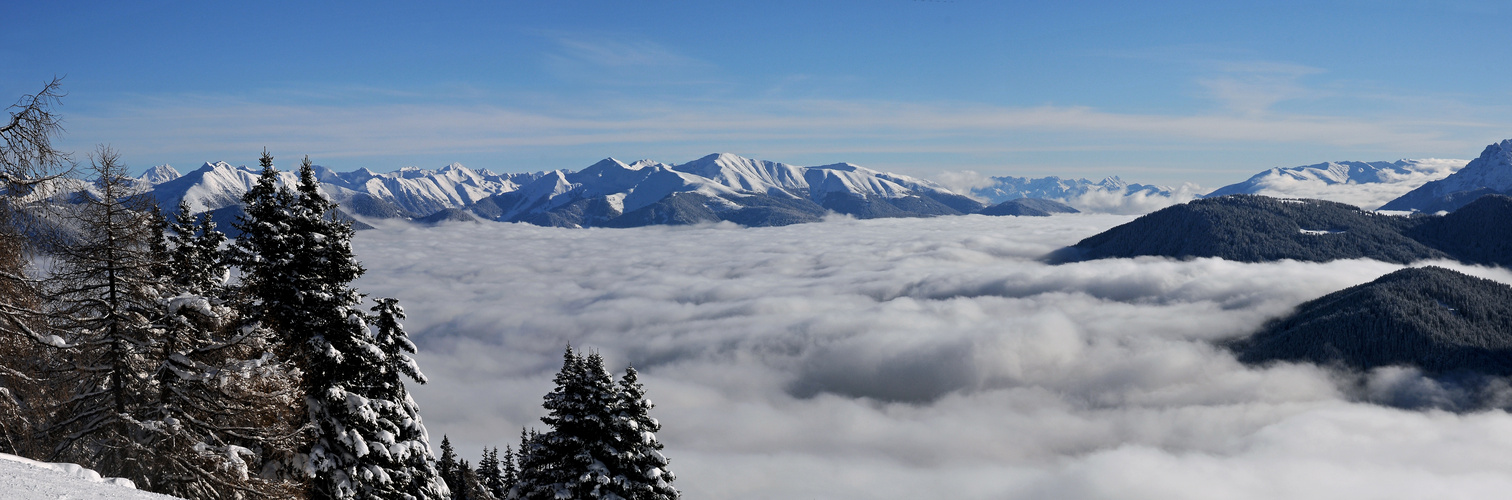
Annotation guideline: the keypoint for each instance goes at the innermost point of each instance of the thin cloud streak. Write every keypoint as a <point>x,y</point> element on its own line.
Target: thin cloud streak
<point>206,125</point>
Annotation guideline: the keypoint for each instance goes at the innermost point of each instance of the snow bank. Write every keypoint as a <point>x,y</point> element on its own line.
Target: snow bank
<point>27,479</point>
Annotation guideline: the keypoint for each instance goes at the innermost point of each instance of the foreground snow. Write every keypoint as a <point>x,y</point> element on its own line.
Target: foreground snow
<point>26,479</point>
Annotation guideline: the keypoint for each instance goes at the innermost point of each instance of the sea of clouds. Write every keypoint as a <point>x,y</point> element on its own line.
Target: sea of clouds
<point>923,358</point>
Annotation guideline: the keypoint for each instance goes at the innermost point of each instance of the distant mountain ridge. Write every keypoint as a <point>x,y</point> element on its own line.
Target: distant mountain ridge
<point>610,193</point>
<point>1367,185</point>
<point>1111,194</point>
<point>407,192</point>
<point>717,187</point>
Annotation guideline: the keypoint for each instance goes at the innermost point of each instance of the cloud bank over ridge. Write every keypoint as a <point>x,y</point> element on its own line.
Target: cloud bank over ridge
<point>909,358</point>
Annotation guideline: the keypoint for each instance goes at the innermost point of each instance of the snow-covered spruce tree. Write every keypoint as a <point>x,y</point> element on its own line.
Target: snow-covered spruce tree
<point>407,456</point>
<point>509,472</point>
<point>641,469</point>
<point>471,486</point>
<point>217,384</point>
<point>490,474</point>
<point>298,264</point>
<point>446,465</point>
<point>571,460</point>
<point>101,295</point>
<point>530,469</point>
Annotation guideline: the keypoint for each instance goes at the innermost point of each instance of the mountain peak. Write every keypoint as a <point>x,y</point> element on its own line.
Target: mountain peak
<point>1490,173</point>
<point>159,174</point>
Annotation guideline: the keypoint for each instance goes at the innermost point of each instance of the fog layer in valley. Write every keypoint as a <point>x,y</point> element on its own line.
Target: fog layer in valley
<point>923,358</point>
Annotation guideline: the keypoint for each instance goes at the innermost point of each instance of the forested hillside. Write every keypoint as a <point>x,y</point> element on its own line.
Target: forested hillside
<point>1250,228</point>
<point>1429,317</point>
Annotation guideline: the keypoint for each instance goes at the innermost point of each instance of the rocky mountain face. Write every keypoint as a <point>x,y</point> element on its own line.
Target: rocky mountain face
<point>1490,173</point>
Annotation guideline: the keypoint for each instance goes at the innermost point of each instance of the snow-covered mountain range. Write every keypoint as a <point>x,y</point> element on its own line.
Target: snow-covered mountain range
<point>716,187</point>
<point>726,187</point>
<point>408,192</point>
<point>1109,195</point>
<point>1490,173</point>
<point>1367,185</point>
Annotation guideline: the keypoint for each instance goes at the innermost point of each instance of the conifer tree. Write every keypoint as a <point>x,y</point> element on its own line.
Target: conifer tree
<point>509,473</point>
<point>103,291</point>
<point>217,385</point>
<point>446,466</point>
<point>530,467</point>
<point>405,451</point>
<point>27,160</point>
<point>641,468</point>
<point>299,265</point>
<point>572,458</point>
<point>489,474</point>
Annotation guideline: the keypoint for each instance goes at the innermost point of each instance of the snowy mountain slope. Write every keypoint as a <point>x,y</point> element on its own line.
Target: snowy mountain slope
<point>1367,185</point>
<point>746,175</point>
<point>406,192</point>
<point>212,186</point>
<point>25,479</point>
<point>1490,173</point>
<point>423,192</point>
<point>714,188</point>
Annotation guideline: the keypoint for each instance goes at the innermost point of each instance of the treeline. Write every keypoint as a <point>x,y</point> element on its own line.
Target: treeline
<point>154,348</point>
<point>137,356</point>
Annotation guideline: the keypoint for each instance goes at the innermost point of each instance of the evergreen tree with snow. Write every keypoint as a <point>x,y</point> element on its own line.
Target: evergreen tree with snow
<point>446,466</point>
<point>217,385</point>
<point>571,460</point>
<point>489,473</point>
<point>298,263</point>
<point>405,451</point>
<point>641,468</point>
<point>530,466</point>
<point>509,472</point>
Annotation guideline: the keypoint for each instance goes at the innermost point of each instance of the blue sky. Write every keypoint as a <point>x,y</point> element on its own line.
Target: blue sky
<point>1155,92</point>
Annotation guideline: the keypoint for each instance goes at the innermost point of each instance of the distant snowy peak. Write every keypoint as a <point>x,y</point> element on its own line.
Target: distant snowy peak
<point>1490,173</point>
<point>1008,188</point>
<point>746,175</point>
<point>1109,195</point>
<point>158,175</point>
<point>1364,184</point>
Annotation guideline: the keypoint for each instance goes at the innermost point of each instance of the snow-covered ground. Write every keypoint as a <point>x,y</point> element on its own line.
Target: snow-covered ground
<point>25,479</point>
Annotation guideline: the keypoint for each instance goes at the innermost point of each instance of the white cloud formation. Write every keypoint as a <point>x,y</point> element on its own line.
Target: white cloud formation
<point>921,358</point>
